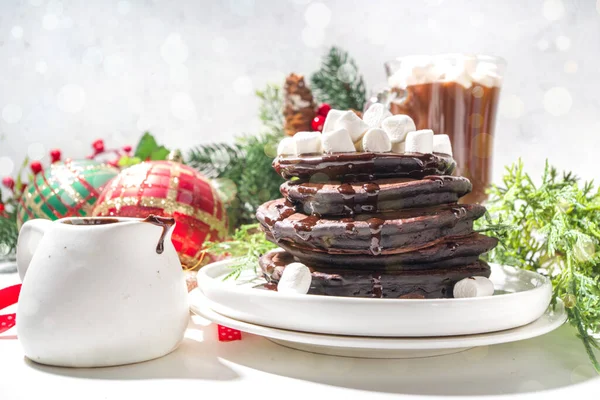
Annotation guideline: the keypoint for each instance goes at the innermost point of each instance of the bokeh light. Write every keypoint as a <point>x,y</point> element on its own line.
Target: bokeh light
<point>174,50</point>
<point>17,32</point>
<point>7,167</point>
<point>12,113</point>
<point>553,10</point>
<point>317,15</point>
<point>557,101</point>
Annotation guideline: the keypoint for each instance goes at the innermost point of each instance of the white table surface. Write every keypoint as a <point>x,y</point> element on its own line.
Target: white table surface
<point>553,366</point>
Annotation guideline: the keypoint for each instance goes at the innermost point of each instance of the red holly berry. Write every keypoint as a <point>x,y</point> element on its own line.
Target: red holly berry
<point>8,182</point>
<point>36,167</point>
<point>127,149</point>
<point>98,146</point>
<point>55,155</point>
<point>323,109</point>
<point>317,123</point>
<point>1,208</point>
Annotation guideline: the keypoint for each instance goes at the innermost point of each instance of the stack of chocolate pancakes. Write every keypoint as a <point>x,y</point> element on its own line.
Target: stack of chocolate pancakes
<point>374,225</point>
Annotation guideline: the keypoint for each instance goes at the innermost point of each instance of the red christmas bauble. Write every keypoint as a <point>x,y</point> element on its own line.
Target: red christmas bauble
<point>170,189</point>
<point>324,109</point>
<point>317,123</point>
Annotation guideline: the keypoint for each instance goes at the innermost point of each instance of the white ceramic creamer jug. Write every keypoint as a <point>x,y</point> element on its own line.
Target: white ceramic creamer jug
<point>99,291</point>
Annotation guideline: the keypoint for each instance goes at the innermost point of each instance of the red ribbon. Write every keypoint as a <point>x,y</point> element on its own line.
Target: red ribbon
<point>227,334</point>
<point>8,297</point>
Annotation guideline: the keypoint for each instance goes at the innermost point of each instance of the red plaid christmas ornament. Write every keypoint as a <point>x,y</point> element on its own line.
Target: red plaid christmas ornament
<point>170,189</point>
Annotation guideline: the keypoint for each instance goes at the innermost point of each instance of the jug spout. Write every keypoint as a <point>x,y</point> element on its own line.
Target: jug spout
<point>30,235</point>
<point>166,223</point>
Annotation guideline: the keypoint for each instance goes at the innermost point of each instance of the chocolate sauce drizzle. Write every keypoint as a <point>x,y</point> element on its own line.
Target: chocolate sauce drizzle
<point>165,223</point>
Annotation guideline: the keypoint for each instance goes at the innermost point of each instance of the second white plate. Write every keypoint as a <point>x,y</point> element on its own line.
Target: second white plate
<point>373,347</point>
<point>522,297</point>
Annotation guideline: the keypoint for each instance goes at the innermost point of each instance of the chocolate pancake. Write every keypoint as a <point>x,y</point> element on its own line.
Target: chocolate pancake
<point>416,284</point>
<point>382,233</point>
<point>356,167</point>
<point>448,253</point>
<point>382,195</point>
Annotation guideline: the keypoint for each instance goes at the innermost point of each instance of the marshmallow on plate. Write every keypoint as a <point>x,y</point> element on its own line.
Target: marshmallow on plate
<point>337,141</point>
<point>441,144</point>
<point>376,141</point>
<point>308,142</point>
<point>296,278</point>
<point>375,114</point>
<point>331,119</point>
<point>397,126</point>
<point>419,141</point>
<point>475,286</point>
<point>355,126</point>
<point>286,147</point>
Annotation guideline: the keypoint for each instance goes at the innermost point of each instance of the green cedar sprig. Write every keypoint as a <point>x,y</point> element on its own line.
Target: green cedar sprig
<point>338,82</point>
<point>558,236</point>
<point>247,244</point>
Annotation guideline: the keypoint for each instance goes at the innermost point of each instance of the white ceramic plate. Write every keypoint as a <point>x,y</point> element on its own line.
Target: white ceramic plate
<point>525,297</point>
<point>377,347</point>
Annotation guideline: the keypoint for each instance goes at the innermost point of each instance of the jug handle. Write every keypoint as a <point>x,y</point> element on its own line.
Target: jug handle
<point>29,238</point>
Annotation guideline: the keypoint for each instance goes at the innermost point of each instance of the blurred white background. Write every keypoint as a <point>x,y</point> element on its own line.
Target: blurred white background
<point>72,71</point>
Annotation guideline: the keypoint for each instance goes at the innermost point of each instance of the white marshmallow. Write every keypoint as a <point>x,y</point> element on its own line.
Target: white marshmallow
<point>355,126</point>
<point>441,144</point>
<point>376,141</point>
<point>486,74</point>
<point>337,141</point>
<point>397,126</point>
<point>459,75</point>
<point>475,286</point>
<point>331,119</point>
<point>286,147</point>
<point>375,114</point>
<point>308,142</point>
<point>419,141</point>
<point>398,147</point>
<point>296,278</point>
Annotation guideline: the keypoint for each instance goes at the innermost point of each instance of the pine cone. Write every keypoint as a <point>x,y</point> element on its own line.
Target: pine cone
<point>299,106</point>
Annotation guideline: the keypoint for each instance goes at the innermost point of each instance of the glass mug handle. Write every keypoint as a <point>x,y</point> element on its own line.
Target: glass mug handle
<point>384,95</point>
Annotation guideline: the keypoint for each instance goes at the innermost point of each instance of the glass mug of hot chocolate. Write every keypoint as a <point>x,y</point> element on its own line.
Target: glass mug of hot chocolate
<point>457,95</point>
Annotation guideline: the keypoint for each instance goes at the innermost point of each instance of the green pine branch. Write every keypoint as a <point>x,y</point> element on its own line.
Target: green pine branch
<point>338,82</point>
<point>558,235</point>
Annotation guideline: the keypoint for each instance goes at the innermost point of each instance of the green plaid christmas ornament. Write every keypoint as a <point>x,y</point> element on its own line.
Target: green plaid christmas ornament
<point>68,189</point>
